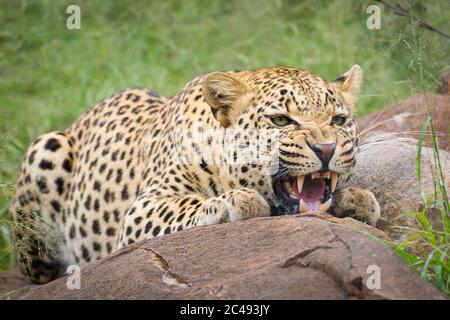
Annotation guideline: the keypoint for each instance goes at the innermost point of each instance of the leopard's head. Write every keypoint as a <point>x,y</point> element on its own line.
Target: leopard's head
<point>317,133</point>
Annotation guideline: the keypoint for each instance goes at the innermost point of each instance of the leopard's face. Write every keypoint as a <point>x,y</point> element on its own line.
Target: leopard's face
<point>314,126</point>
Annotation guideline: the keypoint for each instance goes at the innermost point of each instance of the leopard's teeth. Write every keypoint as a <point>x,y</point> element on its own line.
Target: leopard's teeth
<point>287,187</point>
<point>334,180</point>
<point>325,206</point>
<point>300,180</point>
<point>303,207</point>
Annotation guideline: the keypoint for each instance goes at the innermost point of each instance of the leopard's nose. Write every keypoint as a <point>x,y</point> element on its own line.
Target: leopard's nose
<point>324,151</point>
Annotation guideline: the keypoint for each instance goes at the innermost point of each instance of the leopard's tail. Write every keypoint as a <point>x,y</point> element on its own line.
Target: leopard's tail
<point>37,209</point>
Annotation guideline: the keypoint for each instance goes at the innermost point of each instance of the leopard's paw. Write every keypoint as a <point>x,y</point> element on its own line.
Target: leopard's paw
<point>244,203</point>
<point>356,203</point>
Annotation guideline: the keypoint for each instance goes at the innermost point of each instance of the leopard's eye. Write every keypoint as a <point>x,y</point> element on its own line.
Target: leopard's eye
<point>281,120</point>
<point>339,120</point>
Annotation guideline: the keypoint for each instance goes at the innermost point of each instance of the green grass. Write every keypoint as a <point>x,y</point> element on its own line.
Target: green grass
<point>427,248</point>
<point>49,75</point>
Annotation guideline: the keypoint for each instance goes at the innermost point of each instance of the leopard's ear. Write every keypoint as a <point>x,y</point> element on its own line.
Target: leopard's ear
<point>350,83</point>
<point>227,97</point>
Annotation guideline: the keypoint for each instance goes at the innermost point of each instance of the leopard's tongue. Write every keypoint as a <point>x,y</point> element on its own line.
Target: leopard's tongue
<point>312,192</point>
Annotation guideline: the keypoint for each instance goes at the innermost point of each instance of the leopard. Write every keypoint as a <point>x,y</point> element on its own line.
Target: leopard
<point>230,146</point>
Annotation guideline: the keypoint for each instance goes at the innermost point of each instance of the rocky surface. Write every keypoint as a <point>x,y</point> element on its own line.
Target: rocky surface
<point>10,282</point>
<point>406,118</point>
<point>289,257</point>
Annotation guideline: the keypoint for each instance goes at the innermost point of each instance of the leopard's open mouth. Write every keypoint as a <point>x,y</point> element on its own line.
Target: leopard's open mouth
<point>311,192</point>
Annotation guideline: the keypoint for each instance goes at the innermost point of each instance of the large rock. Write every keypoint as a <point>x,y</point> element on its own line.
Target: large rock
<point>289,257</point>
<point>10,282</point>
<point>406,118</point>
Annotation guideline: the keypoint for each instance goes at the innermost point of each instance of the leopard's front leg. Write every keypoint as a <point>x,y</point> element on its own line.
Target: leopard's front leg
<point>356,203</point>
<point>152,216</point>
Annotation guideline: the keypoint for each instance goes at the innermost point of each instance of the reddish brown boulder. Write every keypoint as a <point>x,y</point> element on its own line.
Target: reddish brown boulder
<point>289,257</point>
<point>10,282</point>
<point>407,117</point>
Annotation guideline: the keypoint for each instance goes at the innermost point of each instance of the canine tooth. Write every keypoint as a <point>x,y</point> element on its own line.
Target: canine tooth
<point>334,179</point>
<point>287,186</point>
<point>325,206</point>
<point>300,180</point>
<point>303,207</point>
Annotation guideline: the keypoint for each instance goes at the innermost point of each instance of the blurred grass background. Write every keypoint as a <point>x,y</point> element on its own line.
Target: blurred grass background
<point>49,75</point>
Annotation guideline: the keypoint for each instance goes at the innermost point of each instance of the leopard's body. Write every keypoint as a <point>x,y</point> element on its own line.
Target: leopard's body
<point>111,179</point>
